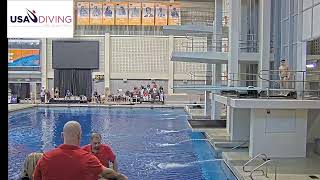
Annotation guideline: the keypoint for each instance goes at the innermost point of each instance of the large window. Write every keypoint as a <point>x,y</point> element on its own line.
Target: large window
<point>23,55</point>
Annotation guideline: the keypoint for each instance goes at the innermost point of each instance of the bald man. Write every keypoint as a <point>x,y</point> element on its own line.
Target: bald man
<point>70,162</point>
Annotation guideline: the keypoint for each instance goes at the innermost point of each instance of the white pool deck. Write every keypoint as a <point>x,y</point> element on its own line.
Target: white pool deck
<point>287,168</point>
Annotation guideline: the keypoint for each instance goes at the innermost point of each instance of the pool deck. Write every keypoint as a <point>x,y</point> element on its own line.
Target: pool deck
<point>15,107</point>
<point>287,168</point>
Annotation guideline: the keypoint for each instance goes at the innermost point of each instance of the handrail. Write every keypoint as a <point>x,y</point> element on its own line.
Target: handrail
<point>250,160</point>
<point>256,168</point>
<point>235,147</point>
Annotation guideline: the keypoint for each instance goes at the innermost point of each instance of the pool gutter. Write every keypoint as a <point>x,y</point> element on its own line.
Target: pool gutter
<point>227,163</point>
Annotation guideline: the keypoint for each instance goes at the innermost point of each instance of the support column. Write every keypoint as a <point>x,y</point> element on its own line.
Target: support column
<point>216,69</point>
<point>301,54</point>
<point>233,58</point>
<point>33,92</point>
<point>171,65</point>
<point>216,108</point>
<point>43,63</point>
<point>107,56</point>
<point>264,39</point>
<point>301,66</point>
<point>217,40</point>
<point>207,98</point>
<point>217,44</point>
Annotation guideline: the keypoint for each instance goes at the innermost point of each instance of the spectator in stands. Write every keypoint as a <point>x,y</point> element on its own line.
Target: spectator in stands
<point>29,165</point>
<point>68,95</point>
<point>48,94</point>
<point>56,93</point>
<point>161,92</point>
<point>145,95</point>
<point>69,161</point>
<point>102,151</point>
<point>97,96</point>
<point>142,92</point>
<point>43,95</point>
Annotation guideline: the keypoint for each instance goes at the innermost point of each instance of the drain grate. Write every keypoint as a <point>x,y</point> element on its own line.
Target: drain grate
<point>314,177</point>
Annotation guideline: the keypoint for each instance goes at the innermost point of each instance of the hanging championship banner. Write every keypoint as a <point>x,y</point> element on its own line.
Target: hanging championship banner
<point>161,14</point>
<point>134,13</point>
<point>148,14</point>
<point>83,13</point>
<point>122,13</point>
<point>95,13</point>
<point>108,15</point>
<point>174,14</point>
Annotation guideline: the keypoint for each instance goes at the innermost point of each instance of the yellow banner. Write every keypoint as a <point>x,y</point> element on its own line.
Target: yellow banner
<point>174,14</point>
<point>83,13</point>
<point>95,13</point>
<point>108,15</point>
<point>122,13</point>
<point>134,13</point>
<point>148,14</point>
<point>161,14</point>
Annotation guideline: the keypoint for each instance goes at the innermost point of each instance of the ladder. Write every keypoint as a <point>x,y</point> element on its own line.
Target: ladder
<point>265,163</point>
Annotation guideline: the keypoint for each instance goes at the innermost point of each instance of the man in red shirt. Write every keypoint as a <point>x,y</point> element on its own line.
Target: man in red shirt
<point>102,151</point>
<point>70,162</point>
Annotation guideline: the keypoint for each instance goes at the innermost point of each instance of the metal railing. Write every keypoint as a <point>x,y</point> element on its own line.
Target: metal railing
<point>303,79</point>
<point>306,83</point>
<point>205,42</point>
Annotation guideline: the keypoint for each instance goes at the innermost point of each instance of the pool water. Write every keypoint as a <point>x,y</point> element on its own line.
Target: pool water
<point>150,144</point>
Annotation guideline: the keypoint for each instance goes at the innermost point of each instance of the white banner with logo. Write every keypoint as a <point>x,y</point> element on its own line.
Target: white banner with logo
<point>40,19</point>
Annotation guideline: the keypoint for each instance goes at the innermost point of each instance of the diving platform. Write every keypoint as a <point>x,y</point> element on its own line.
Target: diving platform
<point>276,127</point>
<point>212,57</point>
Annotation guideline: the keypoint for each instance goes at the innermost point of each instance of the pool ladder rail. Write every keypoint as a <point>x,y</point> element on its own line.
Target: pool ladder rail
<point>265,163</point>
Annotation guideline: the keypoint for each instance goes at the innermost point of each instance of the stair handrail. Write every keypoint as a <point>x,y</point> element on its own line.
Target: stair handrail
<point>250,160</point>
<point>261,165</point>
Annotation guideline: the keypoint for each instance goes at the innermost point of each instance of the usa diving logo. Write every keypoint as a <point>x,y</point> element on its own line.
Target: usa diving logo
<point>31,17</point>
<point>40,19</point>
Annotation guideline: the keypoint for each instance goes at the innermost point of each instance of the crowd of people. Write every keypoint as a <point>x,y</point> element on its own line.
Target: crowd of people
<point>149,93</point>
<point>70,161</point>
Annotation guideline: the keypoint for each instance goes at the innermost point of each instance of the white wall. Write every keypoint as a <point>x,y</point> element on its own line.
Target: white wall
<point>280,133</point>
<point>313,125</point>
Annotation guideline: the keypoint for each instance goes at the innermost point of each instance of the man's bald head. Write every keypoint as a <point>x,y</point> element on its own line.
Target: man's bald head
<point>72,133</point>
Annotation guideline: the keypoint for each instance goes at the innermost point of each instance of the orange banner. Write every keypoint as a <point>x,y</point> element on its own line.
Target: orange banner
<point>161,14</point>
<point>108,15</point>
<point>122,13</point>
<point>134,13</point>
<point>148,14</point>
<point>83,13</point>
<point>95,13</point>
<point>174,14</point>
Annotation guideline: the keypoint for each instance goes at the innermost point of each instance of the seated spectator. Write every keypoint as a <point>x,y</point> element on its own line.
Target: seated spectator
<point>70,162</point>
<point>102,151</point>
<point>29,165</point>
<point>68,95</point>
<point>97,96</point>
<point>145,96</point>
<point>56,93</point>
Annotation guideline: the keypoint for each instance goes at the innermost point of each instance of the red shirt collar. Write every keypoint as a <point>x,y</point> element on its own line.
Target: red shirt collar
<point>68,146</point>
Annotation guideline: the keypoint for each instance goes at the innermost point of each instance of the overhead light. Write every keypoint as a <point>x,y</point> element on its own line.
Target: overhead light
<point>311,65</point>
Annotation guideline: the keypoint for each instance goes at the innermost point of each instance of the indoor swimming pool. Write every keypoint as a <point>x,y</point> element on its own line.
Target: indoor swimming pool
<point>150,144</point>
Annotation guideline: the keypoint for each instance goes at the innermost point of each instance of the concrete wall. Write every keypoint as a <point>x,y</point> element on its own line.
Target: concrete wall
<point>313,125</point>
<point>279,133</point>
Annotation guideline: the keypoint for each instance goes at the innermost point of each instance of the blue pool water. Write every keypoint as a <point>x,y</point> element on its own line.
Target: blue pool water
<point>150,144</point>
